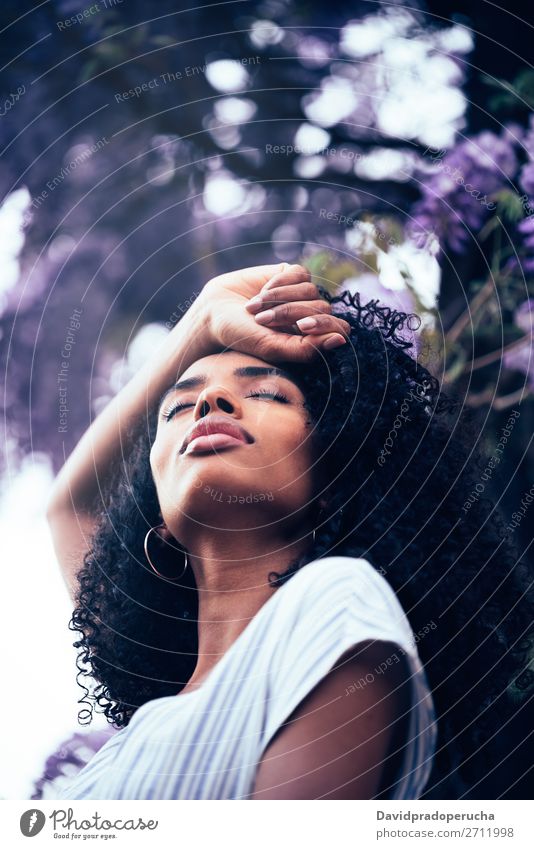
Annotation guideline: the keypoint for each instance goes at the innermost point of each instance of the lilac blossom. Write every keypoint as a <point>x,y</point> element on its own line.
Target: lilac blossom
<point>526,176</point>
<point>526,228</point>
<point>526,181</point>
<point>71,756</point>
<point>457,194</point>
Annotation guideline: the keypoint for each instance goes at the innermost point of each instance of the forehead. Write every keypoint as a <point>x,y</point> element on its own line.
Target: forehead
<point>223,362</point>
<point>228,366</point>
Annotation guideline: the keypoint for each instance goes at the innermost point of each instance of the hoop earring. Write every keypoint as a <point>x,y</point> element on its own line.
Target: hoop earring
<point>172,580</point>
<point>315,529</point>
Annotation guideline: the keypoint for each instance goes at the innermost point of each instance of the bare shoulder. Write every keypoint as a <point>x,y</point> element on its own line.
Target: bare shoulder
<point>345,739</point>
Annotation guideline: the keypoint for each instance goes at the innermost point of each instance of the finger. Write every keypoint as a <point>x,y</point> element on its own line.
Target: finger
<point>277,347</point>
<point>318,324</point>
<point>254,275</point>
<point>326,341</point>
<point>289,314</point>
<point>288,276</point>
<point>294,292</point>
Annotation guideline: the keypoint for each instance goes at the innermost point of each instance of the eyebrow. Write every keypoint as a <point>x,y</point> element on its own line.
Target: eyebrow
<point>242,371</point>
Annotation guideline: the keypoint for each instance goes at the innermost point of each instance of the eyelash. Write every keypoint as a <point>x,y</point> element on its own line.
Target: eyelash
<point>276,396</point>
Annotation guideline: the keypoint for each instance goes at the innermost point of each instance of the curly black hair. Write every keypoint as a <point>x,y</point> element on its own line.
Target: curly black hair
<point>397,459</point>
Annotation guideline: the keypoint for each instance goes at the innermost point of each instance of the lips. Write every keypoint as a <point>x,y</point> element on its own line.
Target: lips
<point>216,425</point>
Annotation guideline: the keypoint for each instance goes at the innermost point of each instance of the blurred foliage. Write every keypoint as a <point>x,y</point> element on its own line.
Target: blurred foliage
<point>145,147</point>
<point>510,97</point>
<point>139,159</point>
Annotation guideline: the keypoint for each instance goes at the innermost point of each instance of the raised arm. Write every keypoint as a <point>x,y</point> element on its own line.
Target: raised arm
<point>220,317</point>
<point>83,480</point>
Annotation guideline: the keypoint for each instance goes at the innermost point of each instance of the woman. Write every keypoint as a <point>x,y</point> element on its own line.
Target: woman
<point>269,567</point>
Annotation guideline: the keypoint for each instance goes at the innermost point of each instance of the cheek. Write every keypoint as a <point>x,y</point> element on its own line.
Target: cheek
<point>294,453</point>
<point>156,460</point>
<point>295,477</point>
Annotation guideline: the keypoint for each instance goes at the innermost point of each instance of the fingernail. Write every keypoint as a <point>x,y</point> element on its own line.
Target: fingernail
<point>255,300</point>
<point>307,323</point>
<point>334,342</point>
<point>265,316</point>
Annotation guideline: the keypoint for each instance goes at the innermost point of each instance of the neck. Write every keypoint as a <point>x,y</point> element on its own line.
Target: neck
<point>231,571</point>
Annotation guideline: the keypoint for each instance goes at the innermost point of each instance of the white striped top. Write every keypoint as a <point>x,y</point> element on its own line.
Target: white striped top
<point>207,743</point>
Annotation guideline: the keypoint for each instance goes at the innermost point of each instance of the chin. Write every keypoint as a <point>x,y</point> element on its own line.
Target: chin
<point>214,503</point>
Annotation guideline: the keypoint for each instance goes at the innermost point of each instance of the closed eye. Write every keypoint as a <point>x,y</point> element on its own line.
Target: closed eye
<point>263,393</point>
<point>175,408</point>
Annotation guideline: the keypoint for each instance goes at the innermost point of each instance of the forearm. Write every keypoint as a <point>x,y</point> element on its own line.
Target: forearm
<point>88,468</point>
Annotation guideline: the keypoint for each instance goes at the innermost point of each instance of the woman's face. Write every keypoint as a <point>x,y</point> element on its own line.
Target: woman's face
<point>233,447</point>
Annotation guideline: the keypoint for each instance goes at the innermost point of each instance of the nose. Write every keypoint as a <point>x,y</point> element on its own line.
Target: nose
<point>215,399</point>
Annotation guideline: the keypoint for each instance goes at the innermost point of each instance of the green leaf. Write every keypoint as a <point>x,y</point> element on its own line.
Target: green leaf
<point>326,271</point>
<point>509,205</point>
<point>512,96</point>
<point>457,368</point>
<point>88,69</point>
<point>163,40</point>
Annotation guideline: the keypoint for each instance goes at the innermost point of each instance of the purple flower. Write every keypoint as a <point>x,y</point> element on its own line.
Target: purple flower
<point>524,316</point>
<point>526,181</point>
<point>71,756</point>
<point>526,228</point>
<point>456,197</point>
<point>493,153</point>
<point>526,178</point>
